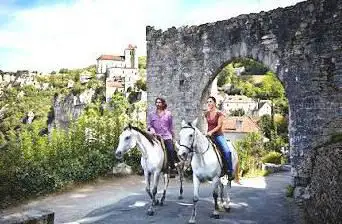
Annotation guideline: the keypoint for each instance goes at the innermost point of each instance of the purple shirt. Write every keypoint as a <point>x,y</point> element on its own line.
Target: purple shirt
<point>161,125</point>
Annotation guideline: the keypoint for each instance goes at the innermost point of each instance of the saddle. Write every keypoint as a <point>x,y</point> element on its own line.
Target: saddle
<point>219,154</point>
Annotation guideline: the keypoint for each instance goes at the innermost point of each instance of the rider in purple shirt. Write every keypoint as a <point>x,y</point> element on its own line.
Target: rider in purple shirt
<point>159,122</point>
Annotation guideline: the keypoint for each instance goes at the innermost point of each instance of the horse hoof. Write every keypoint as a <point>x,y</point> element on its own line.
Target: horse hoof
<point>150,212</point>
<point>227,209</point>
<point>215,216</point>
<point>156,202</point>
<point>180,197</point>
<point>192,221</point>
<point>161,203</point>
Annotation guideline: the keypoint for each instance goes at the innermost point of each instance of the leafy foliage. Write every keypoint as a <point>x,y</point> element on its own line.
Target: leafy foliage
<point>272,157</point>
<point>238,112</point>
<point>266,125</point>
<point>250,150</point>
<point>141,84</point>
<point>142,62</point>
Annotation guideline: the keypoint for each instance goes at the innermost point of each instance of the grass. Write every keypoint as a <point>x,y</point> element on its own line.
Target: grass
<point>289,191</point>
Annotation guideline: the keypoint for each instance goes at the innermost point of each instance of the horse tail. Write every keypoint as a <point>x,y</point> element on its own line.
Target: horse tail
<point>237,172</point>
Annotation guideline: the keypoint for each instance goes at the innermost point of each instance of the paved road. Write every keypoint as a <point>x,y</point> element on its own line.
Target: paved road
<point>257,200</point>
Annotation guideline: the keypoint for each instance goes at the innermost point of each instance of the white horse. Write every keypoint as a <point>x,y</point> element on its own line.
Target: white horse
<point>152,161</point>
<point>206,165</point>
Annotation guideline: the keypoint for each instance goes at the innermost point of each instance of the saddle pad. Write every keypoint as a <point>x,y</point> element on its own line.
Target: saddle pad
<point>165,163</point>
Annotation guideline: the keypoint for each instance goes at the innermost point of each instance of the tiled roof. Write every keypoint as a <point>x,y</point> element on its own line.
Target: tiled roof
<point>111,57</point>
<point>247,125</point>
<point>114,84</point>
<point>131,47</point>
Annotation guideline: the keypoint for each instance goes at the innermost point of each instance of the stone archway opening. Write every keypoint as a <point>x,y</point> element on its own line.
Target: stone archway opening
<point>254,102</point>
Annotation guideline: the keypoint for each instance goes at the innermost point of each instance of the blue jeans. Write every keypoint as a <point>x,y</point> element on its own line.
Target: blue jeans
<point>220,140</point>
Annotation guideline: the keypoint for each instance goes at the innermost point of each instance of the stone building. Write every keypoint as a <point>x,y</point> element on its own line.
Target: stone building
<point>248,105</point>
<point>120,71</point>
<point>236,128</point>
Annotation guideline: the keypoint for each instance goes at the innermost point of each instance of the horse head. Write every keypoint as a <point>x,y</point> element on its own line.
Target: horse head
<point>186,139</point>
<point>127,141</point>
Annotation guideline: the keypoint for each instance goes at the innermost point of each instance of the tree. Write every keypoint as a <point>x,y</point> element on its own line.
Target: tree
<point>265,123</point>
<point>227,75</point>
<point>252,67</point>
<point>142,62</point>
<point>271,88</point>
<point>141,84</point>
<point>239,112</point>
<point>63,71</point>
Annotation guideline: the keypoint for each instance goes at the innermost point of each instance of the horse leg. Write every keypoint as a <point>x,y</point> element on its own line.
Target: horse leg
<point>148,183</point>
<point>166,184</point>
<point>180,170</point>
<point>196,183</point>
<point>216,213</point>
<point>150,210</point>
<point>226,204</point>
<point>221,189</point>
<point>155,185</point>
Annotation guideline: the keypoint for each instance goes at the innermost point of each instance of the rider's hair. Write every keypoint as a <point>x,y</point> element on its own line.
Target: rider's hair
<point>213,98</point>
<point>163,102</point>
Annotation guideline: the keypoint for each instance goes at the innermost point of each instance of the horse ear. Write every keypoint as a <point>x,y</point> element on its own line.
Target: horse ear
<point>183,123</point>
<point>194,123</point>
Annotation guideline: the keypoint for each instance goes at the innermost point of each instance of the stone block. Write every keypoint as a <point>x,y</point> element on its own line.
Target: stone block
<point>29,217</point>
<point>122,169</point>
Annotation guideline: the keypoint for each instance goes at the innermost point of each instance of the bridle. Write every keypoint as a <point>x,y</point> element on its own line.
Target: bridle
<point>191,147</point>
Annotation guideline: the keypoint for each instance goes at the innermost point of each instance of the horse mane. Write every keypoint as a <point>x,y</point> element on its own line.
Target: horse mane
<point>147,135</point>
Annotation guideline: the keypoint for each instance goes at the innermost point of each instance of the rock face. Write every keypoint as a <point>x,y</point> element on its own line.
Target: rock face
<point>68,108</point>
<point>302,44</point>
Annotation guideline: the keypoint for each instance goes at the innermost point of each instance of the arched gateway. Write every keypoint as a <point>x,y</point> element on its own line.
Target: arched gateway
<point>303,45</point>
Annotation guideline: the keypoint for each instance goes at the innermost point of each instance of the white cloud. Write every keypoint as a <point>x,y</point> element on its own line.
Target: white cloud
<point>52,37</point>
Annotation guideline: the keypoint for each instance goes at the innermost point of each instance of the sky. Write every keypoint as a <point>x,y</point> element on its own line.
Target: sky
<point>47,35</point>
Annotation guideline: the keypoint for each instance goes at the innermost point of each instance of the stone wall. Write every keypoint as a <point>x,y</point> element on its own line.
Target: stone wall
<point>322,198</point>
<point>301,43</point>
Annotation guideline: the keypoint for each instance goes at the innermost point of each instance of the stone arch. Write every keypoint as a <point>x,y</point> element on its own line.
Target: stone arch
<point>301,44</point>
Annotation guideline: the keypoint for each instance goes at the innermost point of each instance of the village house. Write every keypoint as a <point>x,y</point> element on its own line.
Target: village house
<point>250,106</point>
<point>264,108</point>
<point>236,128</point>
<point>120,71</point>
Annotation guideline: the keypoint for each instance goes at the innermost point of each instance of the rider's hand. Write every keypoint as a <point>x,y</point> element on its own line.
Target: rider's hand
<point>156,135</point>
<point>209,133</point>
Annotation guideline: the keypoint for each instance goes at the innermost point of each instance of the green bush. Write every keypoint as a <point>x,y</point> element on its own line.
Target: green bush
<point>45,164</point>
<point>250,151</point>
<point>272,157</point>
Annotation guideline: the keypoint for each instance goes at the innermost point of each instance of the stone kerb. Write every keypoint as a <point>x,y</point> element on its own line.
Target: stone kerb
<point>29,217</point>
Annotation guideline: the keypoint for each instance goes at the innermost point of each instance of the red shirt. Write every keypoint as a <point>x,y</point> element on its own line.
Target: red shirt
<point>212,123</point>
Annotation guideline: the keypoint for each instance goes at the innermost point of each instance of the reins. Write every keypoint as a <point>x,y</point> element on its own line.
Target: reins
<point>210,142</point>
<point>190,148</point>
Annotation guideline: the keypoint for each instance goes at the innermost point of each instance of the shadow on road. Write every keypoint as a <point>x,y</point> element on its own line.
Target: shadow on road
<point>259,200</point>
